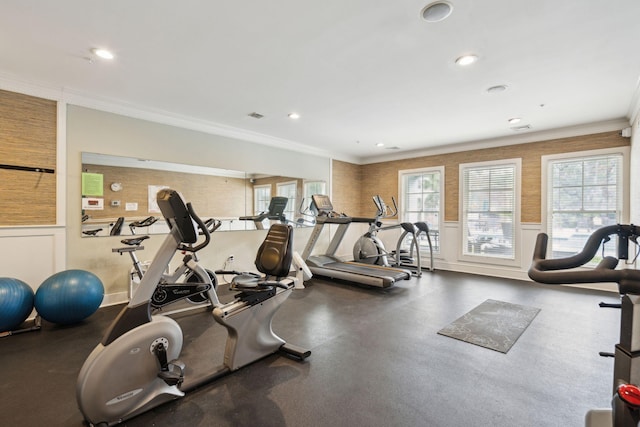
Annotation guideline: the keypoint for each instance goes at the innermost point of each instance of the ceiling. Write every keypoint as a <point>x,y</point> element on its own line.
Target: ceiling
<point>359,72</point>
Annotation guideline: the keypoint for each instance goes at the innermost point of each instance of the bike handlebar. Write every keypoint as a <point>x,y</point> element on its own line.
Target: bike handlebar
<point>546,270</point>
<point>203,229</point>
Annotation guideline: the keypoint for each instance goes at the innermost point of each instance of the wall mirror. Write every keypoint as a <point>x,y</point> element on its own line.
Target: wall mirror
<point>118,196</point>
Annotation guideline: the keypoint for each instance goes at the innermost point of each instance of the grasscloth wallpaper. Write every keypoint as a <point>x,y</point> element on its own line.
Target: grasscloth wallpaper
<point>27,138</point>
<point>354,185</point>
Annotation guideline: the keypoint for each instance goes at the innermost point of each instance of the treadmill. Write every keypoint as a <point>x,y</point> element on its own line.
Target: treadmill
<point>328,265</point>
<point>275,212</point>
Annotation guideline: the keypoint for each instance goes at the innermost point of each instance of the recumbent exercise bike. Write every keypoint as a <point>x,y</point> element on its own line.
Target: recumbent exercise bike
<point>135,367</point>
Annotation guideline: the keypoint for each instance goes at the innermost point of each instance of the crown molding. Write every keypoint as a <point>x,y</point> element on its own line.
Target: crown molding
<point>524,138</point>
<point>72,97</point>
<point>37,89</point>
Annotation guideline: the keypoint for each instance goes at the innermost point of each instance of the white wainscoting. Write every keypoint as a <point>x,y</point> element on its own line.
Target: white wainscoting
<point>32,254</point>
<point>449,259</point>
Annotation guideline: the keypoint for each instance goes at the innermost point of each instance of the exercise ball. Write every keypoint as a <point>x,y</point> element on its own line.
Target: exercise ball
<point>69,296</point>
<point>16,303</point>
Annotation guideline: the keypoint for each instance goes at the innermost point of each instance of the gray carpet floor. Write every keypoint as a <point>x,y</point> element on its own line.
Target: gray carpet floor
<point>377,361</point>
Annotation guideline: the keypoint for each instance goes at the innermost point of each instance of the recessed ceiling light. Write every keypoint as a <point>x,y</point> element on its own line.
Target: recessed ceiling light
<point>465,60</point>
<point>514,120</point>
<point>380,144</point>
<point>497,88</point>
<point>436,11</point>
<point>294,116</point>
<point>102,53</point>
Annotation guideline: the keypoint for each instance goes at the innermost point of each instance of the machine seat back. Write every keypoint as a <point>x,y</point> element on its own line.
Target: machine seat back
<point>276,252</point>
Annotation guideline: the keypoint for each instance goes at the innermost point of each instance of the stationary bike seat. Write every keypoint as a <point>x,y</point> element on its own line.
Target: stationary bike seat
<point>134,241</point>
<point>93,232</point>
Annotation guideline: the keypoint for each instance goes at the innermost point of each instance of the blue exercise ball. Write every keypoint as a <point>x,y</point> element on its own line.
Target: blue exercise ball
<point>69,296</point>
<point>16,303</point>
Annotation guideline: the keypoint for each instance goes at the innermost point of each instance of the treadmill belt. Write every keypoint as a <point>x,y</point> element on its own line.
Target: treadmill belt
<point>368,270</point>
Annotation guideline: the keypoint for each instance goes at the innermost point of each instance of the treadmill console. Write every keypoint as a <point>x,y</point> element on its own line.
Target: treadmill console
<point>321,204</point>
<point>323,210</point>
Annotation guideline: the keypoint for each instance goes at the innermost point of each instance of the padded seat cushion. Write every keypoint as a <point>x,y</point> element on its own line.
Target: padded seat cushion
<point>276,252</point>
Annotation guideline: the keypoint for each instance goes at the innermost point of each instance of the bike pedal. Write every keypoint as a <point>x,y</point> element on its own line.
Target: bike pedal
<point>173,376</point>
<point>170,377</point>
<point>178,364</point>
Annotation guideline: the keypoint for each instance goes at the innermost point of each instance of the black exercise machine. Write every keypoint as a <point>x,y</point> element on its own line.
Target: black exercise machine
<point>625,410</point>
<point>275,212</point>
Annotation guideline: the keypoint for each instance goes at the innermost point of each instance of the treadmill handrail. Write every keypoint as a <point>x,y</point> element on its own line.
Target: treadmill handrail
<point>333,219</point>
<point>363,219</point>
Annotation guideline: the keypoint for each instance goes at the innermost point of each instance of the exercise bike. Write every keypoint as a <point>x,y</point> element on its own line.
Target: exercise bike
<point>183,283</point>
<point>625,410</point>
<point>135,367</point>
<point>370,249</point>
<point>147,222</point>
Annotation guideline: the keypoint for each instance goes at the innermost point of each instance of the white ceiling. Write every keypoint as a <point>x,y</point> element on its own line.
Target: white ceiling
<point>359,72</point>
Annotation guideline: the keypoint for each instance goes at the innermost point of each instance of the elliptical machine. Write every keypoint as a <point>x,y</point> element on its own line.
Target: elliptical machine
<point>625,410</point>
<point>136,367</point>
<point>370,249</point>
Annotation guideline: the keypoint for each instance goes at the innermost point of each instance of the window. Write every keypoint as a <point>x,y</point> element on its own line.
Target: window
<point>288,190</point>
<point>422,200</point>
<point>489,208</point>
<point>584,191</point>
<point>310,188</point>
<point>261,198</point>
<point>313,187</point>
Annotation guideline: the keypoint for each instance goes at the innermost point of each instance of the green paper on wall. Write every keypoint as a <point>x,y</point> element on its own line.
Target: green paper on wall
<point>92,184</point>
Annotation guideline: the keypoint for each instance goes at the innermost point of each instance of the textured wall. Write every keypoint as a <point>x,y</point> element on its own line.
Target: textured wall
<point>346,185</point>
<point>27,138</point>
<point>354,185</point>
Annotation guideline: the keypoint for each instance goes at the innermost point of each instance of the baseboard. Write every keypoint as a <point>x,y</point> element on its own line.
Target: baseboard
<point>516,274</point>
<point>483,270</point>
<point>115,298</point>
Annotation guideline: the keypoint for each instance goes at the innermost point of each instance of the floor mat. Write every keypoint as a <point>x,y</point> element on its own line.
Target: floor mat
<point>493,324</point>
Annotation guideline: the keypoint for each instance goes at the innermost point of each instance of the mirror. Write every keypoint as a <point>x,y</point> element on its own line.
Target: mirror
<point>118,196</point>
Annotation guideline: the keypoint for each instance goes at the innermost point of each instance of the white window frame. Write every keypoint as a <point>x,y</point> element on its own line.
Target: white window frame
<point>515,259</point>
<point>547,222</point>
<point>290,209</point>
<point>437,250</point>
<point>307,195</point>
<point>304,211</point>
<point>258,208</point>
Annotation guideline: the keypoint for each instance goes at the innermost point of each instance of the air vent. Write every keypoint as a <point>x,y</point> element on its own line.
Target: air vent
<point>436,11</point>
<point>256,115</point>
<point>395,147</point>
<point>497,89</point>
<point>521,128</point>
